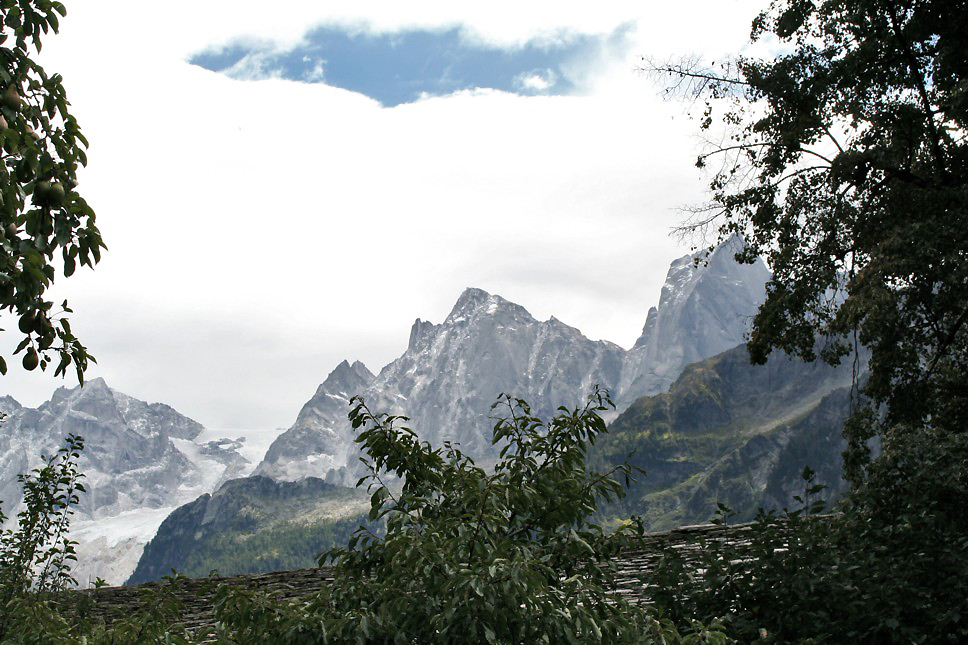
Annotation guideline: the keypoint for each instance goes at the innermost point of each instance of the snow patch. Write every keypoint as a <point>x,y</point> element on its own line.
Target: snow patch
<point>83,416</point>
<point>255,443</point>
<point>210,469</point>
<point>139,524</point>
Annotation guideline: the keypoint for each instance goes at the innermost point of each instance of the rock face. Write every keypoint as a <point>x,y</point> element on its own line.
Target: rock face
<point>446,382</point>
<point>703,310</point>
<point>139,462</point>
<point>318,441</point>
<point>452,372</point>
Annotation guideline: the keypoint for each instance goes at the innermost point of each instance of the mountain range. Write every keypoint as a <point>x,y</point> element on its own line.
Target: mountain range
<point>140,462</point>
<point>144,460</point>
<point>725,432</point>
<point>452,372</point>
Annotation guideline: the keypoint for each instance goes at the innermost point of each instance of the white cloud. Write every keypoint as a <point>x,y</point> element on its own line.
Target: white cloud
<point>537,81</point>
<point>261,231</point>
<point>254,66</point>
<point>318,73</point>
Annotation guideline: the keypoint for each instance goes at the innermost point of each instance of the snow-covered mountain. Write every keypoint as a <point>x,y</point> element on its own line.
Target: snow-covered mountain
<point>140,461</point>
<point>452,372</point>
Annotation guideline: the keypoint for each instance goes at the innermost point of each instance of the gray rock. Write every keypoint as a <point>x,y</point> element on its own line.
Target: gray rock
<point>318,442</point>
<point>703,310</point>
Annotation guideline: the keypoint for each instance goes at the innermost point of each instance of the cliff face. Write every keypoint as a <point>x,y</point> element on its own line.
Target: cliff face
<point>318,442</point>
<point>703,310</point>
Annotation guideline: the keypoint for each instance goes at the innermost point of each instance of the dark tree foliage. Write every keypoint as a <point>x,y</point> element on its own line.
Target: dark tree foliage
<point>888,568</point>
<point>845,164</point>
<point>44,222</point>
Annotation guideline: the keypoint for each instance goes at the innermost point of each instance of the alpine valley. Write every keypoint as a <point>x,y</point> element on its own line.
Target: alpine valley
<point>704,424</point>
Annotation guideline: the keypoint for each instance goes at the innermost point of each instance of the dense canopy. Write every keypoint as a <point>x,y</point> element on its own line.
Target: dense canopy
<point>844,164</point>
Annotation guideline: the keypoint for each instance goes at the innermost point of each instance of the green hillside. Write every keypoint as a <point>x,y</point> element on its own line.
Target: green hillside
<point>253,525</point>
<point>731,432</point>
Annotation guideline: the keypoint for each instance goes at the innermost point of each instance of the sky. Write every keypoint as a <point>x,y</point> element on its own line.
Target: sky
<point>281,190</point>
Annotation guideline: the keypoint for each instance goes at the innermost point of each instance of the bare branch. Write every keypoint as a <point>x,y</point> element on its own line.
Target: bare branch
<point>691,79</point>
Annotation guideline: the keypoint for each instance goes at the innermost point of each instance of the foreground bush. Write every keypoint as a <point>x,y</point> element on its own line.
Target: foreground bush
<point>471,555</point>
<point>891,566</point>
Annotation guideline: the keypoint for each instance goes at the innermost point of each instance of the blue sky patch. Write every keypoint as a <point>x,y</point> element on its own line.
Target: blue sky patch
<point>402,67</point>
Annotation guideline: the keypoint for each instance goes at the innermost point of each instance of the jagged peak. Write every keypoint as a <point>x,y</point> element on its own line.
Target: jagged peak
<point>704,273</point>
<point>420,331</point>
<point>472,298</point>
<point>689,270</point>
<point>648,328</point>
<point>91,387</point>
<point>345,374</point>
<point>724,256</point>
<point>94,384</point>
<point>9,405</point>
<point>9,400</point>
<point>476,301</point>
<point>556,322</point>
<point>724,252</point>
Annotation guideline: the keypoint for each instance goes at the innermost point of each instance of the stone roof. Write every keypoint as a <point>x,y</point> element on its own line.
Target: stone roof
<point>198,595</point>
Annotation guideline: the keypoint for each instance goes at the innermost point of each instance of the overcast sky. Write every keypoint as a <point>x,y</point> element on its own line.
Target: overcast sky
<point>284,185</point>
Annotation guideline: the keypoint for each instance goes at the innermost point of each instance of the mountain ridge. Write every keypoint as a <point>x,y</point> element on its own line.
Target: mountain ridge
<point>451,372</point>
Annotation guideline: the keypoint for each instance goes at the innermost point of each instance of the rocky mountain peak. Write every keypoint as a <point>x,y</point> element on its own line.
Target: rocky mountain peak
<point>138,457</point>
<point>93,388</point>
<point>566,329</point>
<point>420,334</point>
<point>476,304</point>
<point>706,307</point>
<point>319,442</point>
<point>93,400</point>
<point>648,328</point>
<point>9,405</point>
<point>347,378</point>
<point>470,299</point>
